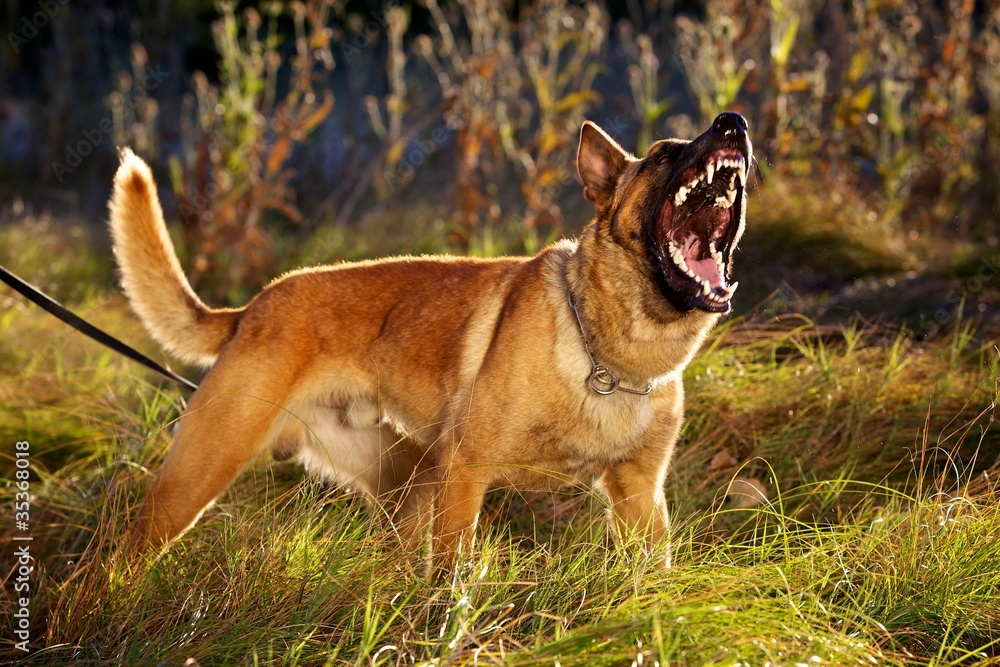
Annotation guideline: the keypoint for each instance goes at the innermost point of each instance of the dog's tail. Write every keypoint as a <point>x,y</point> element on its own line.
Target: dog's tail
<point>151,274</point>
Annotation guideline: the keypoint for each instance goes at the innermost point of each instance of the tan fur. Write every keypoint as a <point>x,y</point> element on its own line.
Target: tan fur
<point>152,276</point>
<point>424,381</point>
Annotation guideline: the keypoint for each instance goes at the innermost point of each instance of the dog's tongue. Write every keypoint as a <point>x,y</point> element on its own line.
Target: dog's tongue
<point>705,268</point>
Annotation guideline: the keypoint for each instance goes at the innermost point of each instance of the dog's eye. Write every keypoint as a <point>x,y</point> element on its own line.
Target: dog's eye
<point>663,158</point>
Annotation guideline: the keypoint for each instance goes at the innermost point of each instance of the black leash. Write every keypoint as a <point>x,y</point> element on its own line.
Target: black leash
<point>53,307</point>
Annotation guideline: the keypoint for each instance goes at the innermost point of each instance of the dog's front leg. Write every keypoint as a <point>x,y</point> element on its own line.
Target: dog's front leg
<point>638,508</point>
<point>459,499</point>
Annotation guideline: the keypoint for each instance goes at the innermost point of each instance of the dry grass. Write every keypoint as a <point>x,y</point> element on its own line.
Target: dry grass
<point>876,455</point>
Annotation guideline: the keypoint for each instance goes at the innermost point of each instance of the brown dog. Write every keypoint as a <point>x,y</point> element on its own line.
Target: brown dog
<point>425,381</point>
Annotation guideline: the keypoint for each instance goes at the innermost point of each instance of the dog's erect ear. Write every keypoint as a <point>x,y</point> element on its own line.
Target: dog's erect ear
<point>600,161</point>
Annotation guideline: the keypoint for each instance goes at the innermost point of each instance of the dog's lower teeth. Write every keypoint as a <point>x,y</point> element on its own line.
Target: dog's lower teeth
<point>678,258</point>
<point>722,202</point>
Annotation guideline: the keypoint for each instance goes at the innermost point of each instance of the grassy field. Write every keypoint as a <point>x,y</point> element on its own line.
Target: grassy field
<point>861,528</point>
<point>834,493</point>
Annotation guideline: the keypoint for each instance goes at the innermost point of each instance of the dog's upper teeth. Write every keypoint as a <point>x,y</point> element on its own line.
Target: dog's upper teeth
<point>706,289</point>
<point>693,184</point>
<point>709,172</point>
<point>681,196</point>
<point>716,255</point>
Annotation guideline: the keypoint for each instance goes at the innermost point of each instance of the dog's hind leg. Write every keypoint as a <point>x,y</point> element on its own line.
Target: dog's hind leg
<point>231,418</point>
<point>402,489</point>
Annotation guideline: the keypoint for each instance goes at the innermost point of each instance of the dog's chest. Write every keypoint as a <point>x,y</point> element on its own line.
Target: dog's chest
<point>574,437</point>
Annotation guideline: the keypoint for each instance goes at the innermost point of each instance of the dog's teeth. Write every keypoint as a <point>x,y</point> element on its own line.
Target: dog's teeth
<point>706,289</point>
<point>693,184</point>
<point>731,194</point>
<point>742,173</point>
<point>716,255</point>
<point>732,288</point>
<point>709,172</point>
<point>678,257</point>
<point>722,202</point>
<point>681,196</point>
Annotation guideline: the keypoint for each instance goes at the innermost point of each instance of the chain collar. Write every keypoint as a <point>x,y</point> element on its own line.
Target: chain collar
<point>602,380</point>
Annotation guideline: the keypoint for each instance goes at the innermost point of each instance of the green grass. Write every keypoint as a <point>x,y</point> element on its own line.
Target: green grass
<point>876,544</point>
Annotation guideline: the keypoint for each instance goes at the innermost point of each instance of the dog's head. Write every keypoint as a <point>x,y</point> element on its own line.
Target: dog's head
<point>682,206</point>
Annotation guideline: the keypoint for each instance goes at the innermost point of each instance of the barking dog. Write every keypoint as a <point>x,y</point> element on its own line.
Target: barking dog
<point>423,382</point>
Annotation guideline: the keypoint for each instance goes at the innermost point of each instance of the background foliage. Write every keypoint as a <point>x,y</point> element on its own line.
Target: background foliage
<point>835,484</point>
<point>875,122</point>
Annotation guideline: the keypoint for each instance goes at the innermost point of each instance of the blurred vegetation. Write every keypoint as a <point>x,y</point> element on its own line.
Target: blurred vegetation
<point>237,140</point>
<point>885,115</point>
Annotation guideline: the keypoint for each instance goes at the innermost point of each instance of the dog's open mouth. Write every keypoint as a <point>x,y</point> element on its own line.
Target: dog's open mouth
<point>700,223</point>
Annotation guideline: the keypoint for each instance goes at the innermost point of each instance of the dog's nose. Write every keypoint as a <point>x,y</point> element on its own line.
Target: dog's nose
<point>730,123</point>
